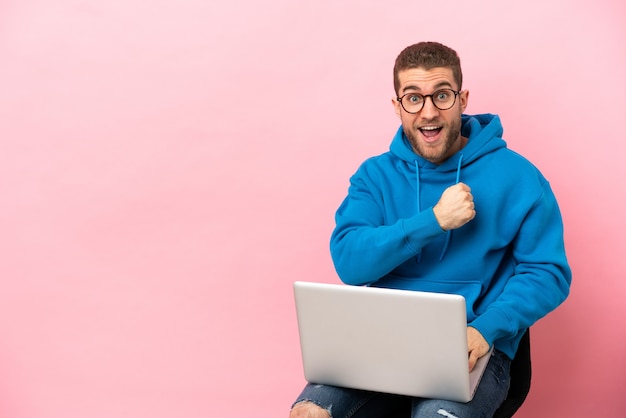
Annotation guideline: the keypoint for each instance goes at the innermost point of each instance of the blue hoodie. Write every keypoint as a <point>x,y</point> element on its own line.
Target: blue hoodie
<point>508,262</point>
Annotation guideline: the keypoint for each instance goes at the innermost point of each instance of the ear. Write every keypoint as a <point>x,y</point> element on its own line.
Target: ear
<point>464,97</point>
<point>397,107</point>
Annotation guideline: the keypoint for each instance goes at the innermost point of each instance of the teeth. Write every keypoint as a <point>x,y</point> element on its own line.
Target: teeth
<point>429,128</point>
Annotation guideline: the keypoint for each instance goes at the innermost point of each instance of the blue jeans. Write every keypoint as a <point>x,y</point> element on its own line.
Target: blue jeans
<point>353,403</point>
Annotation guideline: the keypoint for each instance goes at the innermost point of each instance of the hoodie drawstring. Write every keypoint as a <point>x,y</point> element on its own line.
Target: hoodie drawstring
<point>419,206</point>
<point>449,233</point>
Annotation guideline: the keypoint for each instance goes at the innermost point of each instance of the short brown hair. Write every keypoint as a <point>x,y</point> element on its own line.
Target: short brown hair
<point>427,55</point>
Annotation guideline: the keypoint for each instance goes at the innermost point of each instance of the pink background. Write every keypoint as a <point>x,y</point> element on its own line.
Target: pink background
<point>169,168</point>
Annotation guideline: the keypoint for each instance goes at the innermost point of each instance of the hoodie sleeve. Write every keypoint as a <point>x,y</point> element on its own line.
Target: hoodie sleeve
<point>542,276</point>
<point>363,247</point>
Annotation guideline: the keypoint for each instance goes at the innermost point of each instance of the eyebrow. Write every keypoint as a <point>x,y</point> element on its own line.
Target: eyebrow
<point>437,86</point>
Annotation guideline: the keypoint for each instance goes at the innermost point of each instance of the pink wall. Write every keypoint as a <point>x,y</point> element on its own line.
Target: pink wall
<point>168,169</point>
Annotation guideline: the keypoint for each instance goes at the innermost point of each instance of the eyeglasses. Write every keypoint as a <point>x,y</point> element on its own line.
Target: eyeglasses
<point>443,99</point>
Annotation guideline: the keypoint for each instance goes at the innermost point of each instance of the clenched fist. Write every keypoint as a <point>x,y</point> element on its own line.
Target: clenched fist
<point>455,207</point>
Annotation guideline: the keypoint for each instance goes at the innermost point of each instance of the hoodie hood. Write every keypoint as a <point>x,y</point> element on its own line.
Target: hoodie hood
<point>484,133</point>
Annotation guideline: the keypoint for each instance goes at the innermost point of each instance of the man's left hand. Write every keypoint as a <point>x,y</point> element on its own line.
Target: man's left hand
<point>477,346</point>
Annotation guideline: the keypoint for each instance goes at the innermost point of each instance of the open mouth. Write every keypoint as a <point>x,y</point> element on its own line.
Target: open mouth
<point>430,131</point>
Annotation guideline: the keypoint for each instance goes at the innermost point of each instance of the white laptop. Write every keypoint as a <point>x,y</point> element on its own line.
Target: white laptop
<point>386,340</point>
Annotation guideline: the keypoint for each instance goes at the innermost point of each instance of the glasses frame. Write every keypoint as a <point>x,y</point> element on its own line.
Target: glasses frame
<point>425,96</point>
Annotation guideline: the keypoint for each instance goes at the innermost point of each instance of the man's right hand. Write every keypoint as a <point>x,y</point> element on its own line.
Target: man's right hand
<point>455,207</point>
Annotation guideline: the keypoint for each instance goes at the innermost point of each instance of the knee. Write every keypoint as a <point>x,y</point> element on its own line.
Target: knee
<point>308,410</point>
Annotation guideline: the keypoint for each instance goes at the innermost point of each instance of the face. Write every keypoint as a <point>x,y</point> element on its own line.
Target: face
<point>434,134</point>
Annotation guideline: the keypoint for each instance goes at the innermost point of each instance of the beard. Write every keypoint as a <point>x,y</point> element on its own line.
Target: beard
<point>441,152</point>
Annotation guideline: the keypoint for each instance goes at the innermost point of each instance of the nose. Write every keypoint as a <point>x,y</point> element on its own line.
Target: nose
<point>429,109</point>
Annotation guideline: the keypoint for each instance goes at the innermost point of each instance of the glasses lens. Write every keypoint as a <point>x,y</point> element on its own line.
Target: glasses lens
<point>444,99</point>
<point>412,102</point>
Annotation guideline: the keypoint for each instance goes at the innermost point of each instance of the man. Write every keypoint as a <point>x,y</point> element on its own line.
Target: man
<point>448,209</point>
